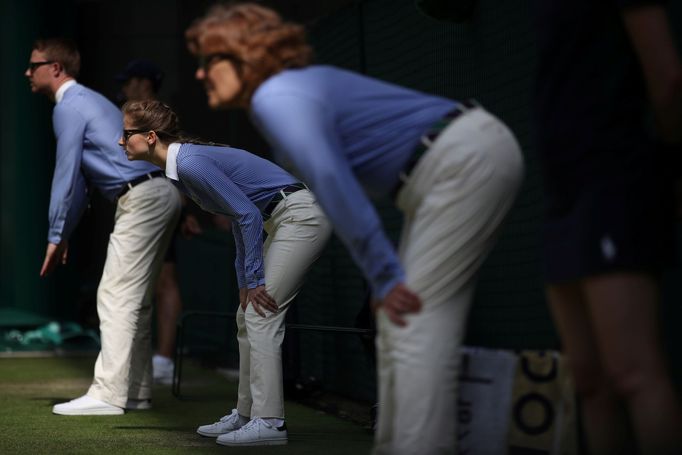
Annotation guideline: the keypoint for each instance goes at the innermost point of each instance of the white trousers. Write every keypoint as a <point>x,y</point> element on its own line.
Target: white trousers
<point>453,202</point>
<point>297,232</point>
<point>145,217</point>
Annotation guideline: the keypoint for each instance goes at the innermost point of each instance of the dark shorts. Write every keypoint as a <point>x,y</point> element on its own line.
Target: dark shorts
<point>622,220</point>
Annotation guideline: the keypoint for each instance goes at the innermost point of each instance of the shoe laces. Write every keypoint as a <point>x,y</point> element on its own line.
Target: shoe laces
<point>227,417</point>
<point>251,424</point>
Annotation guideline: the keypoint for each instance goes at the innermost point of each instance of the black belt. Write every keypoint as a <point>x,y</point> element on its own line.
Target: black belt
<point>136,181</point>
<point>281,194</point>
<point>429,137</point>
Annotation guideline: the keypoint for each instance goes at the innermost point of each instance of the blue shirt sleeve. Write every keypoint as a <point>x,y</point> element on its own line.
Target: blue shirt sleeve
<point>68,197</point>
<point>239,254</point>
<point>301,129</point>
<point>206,181</point>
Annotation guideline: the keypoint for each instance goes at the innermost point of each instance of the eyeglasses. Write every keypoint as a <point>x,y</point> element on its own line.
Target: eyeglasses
<point>206,61</point>
<point>128,133</point>
<point>32,66</point>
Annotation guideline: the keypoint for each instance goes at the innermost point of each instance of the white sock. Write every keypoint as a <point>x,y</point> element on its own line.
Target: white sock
<point>162,360</point>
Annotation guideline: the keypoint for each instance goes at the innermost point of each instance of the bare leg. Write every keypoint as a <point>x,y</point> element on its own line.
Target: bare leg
<point>624,311</point>
<point>168,308</point>
<point>605,418</point>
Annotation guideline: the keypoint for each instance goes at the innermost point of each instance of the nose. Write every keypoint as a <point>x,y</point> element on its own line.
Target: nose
<point>121,142</point>
<point>200,74</point>
<point>27,73</point>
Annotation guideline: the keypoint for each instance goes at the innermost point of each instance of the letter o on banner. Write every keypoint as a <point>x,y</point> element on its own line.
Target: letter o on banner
<point>547,413</point>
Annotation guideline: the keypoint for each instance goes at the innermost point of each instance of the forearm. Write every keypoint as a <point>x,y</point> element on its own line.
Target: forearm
<point>239,255</point>
<point>652,39</point>
<point>248,230</point>
<point>653,42</point>
<point>66,210</point>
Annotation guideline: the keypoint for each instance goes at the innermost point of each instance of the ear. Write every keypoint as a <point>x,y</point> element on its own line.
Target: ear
<point>152,138</point>
<point>57,69</point>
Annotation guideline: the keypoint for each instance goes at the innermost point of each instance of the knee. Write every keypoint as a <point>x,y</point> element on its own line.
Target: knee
<point>629,380</point>
<point>166,281</point>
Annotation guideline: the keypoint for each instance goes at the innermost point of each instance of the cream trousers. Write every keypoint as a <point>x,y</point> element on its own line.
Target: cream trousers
<point>297,232</point>
<point>145,217</point>
<point>454,202</point>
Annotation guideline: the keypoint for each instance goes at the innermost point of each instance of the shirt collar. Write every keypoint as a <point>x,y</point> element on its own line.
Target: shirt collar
<point>62,89</point>
<point>172,161</point>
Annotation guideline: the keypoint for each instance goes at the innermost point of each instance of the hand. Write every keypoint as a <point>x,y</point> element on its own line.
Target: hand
<point>190,226</point>
<point>53,255</point>
<point>260,299</point>
<point>397,303</point>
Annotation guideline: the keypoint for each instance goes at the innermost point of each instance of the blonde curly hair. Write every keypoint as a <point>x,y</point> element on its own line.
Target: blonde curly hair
<point>261,42</point>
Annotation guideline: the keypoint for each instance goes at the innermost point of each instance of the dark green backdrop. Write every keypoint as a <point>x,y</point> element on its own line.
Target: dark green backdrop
<point>491,58</point>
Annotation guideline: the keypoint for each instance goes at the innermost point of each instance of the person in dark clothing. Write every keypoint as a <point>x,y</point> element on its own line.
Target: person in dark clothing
<point>609,219</point>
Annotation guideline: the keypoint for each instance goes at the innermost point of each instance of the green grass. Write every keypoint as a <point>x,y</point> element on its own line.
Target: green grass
<point>30,387</point>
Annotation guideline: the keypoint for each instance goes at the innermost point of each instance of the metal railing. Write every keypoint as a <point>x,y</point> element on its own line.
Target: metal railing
<point>185,318</point>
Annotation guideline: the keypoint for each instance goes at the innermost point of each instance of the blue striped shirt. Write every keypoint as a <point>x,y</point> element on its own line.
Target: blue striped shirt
<point>235,183</point>
<point>87,127</point>
<point>344,133</point>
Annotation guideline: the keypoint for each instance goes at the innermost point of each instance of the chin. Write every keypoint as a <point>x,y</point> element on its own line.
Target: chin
<point>217,103</point>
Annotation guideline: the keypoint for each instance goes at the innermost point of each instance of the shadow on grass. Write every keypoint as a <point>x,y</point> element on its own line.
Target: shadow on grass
<point>202,398</point>
<point>150,427</point>
<point>51,401</point>
<point>302,437</point>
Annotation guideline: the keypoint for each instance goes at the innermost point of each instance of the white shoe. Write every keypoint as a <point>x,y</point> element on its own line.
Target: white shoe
<point>230,422</point>
<point>86,406</point>
<point>162,370</point>
<point>257,432</point>
<point>138,405</point>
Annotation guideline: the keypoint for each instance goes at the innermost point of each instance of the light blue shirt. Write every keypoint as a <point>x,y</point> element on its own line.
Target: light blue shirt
<point>235,183</point>
<point>87,127</point>
<point>344,133</point>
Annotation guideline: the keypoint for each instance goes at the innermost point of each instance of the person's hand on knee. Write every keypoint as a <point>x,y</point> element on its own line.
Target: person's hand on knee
<point>398,302</point>
<point>261,300</point>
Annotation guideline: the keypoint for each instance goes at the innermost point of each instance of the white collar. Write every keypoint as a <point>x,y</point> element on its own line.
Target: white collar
<point>172,161</point>
<point>62,89</point>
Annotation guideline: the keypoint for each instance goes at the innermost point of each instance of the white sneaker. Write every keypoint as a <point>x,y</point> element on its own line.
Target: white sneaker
<point>257,432</point>
<point>138,405</point>
<point>230,422</point>
<point>162,370</point>
<point>86,406</point>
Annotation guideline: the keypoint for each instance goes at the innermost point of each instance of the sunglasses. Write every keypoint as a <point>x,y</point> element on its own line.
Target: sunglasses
<point>128,133</point>
<point>206,61</point>
<point>32,66</point>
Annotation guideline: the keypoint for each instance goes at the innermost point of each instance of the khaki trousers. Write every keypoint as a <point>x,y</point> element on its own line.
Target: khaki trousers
<point>297,232</point>
<point>145,217</point>
<point>453,202</point>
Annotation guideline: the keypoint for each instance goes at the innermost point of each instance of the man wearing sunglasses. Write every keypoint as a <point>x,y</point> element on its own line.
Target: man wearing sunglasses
<point>87,127</point>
